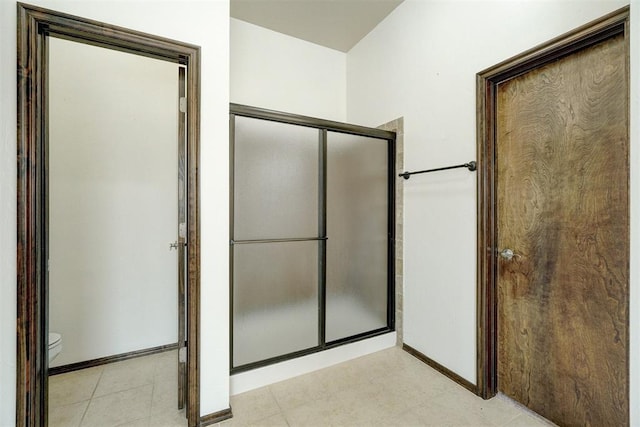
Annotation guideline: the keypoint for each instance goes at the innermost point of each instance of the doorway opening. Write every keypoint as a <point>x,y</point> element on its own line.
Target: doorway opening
<point>114,199</point>
<point>36,27</point>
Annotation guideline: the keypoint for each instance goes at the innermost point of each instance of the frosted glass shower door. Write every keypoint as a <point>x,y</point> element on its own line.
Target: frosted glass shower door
<point>275,237</point>
<point>311,236</point>
<point>358,231</point>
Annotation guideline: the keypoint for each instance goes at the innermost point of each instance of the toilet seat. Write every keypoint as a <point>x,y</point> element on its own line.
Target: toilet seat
<point>55,345</point>
<point>54,339</point>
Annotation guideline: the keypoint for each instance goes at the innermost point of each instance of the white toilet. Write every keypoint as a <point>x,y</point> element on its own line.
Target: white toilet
<point>55,345</point>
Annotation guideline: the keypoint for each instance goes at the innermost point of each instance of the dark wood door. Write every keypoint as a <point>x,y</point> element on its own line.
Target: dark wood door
<point>563,209</point>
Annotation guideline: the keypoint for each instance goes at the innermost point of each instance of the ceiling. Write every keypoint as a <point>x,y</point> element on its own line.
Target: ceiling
<point>336,24</point>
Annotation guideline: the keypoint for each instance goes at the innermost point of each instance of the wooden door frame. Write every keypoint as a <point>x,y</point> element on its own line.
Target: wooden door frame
<point>35,24</point>
<point>487,82</point>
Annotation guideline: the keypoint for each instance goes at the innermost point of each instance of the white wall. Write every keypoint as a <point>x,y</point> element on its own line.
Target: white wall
<point>204,23</point>
<point>113,173</point>
<point>279,72</point>
<point>420,63</point>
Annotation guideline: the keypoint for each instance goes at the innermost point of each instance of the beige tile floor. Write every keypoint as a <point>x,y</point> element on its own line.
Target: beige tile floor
<point>388,388</point>
<point>133,393</point>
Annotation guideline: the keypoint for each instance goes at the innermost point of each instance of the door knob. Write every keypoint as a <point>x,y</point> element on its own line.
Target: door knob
<point>507,254</point>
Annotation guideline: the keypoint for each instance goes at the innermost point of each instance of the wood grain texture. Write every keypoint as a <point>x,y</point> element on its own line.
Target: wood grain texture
<point>562,206</point>
<point>216,417</point>
<point>487,82</point>
<point>31,352</point>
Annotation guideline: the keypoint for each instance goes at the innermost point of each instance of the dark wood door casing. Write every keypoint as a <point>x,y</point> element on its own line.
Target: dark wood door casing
<point>609,27</point>
<point>35,25</point>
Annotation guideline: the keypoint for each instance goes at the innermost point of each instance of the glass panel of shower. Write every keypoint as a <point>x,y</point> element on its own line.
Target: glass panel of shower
<point>312,242</point>
<point>357,223</point>
<point>275,234</point>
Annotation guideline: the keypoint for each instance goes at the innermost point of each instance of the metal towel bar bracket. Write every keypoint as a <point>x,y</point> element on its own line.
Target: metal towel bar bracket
<point>471,166</point>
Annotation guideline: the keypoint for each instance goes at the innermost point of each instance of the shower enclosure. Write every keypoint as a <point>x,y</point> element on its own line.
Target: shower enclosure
<point>312,235</point>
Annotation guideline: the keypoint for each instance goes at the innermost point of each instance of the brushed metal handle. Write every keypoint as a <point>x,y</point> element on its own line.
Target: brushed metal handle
<point>507,254</point>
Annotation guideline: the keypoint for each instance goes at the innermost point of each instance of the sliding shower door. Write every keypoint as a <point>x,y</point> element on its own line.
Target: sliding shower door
<point>311,235</point>
<point>275,239</point>
<point>358,227</point>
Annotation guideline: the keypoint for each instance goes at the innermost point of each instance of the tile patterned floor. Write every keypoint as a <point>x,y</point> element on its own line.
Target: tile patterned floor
<point>388,388</point>
<point>134,393</point>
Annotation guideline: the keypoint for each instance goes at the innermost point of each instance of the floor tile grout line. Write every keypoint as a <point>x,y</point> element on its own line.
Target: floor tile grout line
<point>153,393</point>
<point>86,409</point>
<point>100,376</point>
<point>275,398</point>
<point>363,372</point>
<point>97,383</point>
<point>122,390</point>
